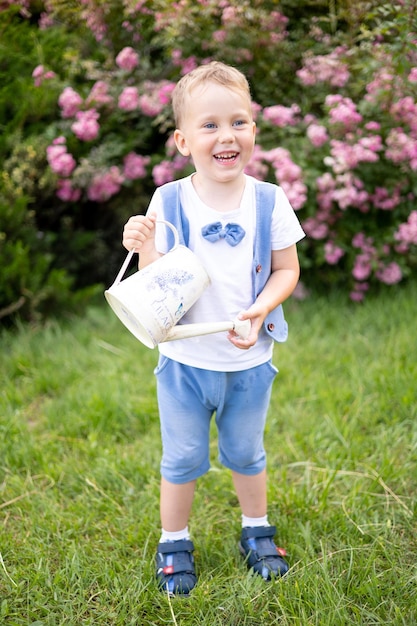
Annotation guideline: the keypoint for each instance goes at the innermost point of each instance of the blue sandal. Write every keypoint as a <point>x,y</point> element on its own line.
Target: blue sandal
<point>175,569</point>
<point>261,554</point>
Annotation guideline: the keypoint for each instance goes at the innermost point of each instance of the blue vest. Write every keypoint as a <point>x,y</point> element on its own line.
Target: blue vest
<point>275,324</point>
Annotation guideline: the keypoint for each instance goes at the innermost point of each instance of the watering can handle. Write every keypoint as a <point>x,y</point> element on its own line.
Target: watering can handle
<point>130,254</point>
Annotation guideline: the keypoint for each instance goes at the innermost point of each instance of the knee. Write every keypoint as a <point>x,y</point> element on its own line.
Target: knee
<point>244,458</point>
<point>182,466</point>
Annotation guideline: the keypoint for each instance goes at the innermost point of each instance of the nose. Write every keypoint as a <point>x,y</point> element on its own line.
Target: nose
<point>226,135</point>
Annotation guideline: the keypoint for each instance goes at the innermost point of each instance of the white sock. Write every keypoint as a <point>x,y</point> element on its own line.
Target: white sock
<point>254,521</point>
<point>175,535</point>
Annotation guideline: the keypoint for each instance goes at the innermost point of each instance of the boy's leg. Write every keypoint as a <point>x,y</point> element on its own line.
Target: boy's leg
<point>251,493</point>
<point>245,412</point>
<point>185,414</point>
<point>256,542</point>
<point>175,504</point>
<point>175,569</point>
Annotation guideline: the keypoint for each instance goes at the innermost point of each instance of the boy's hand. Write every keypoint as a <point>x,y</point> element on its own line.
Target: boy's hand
<point>256,315</point>
<point>139,233</point>
<point>280,285</point>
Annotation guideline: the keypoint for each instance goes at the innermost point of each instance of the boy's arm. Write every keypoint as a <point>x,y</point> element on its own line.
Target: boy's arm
<point>139,234</point>
<point>285,272</point>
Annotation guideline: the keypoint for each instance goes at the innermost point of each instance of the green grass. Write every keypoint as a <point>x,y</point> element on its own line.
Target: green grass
<point>79,477</point>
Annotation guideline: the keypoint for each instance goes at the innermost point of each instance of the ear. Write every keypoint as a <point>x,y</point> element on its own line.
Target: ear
<point>181,143</point>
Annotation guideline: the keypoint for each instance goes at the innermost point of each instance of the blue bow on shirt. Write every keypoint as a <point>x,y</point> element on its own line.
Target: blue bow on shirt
<point>232,233</point>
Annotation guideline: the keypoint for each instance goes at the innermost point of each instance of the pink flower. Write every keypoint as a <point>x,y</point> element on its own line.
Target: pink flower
<point>373,126</point>
<point>314,228</point>
<point>86,128</point>
<point>317,134</point>
<point>180,162</point>
<point>150,105</point>
<point>165,91</point>
<point>219,35</point>
<point>256,109</point>
<point>45,21</point>
<point>95,19</point>
<point>256,166</point>
<point>134,166</point>
<point>362,268</point>
<point>326,185</point>
<point>384,199</point>
<point>163,173</point>
<point>66,192</point>
<point>105,185</point>
<point>38,71</point>
<point>63,165</point>
<point>282,116</point>
<point>350,193</point>
<point>405,111</point>
<point>332,253</point>
<point>360,240</point>
<point>99,94</point>
<point>401,147</point>
<point>345,157</point>
<point>288,171</point>
<point>325,182</point>
<point>39,75</point>
<point>60,161</point>
<point>389,274</point>
<point>127,59</point>
<point>356,296</point>
<point>412,77</point>
<point>324,69</point>
<point>296,193</point>
<point>288,174</point>
<point>129,99</point>
<point>382,82</point>
<point>359,290</point>
<point>188,65</point>
<point>70,102</point>
<point>343,111</point>
<point>56,150</point>
<point>407,232</point>
<point>230,14</point>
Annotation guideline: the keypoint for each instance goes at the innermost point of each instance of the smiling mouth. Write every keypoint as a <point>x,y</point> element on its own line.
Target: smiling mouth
<point>225,158</point>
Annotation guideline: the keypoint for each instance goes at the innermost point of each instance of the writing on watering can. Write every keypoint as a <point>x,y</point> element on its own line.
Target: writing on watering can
<point>162,314</point>
<point>170,280</point>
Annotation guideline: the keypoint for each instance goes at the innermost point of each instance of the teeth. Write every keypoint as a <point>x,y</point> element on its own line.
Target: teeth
<point>226,157</point>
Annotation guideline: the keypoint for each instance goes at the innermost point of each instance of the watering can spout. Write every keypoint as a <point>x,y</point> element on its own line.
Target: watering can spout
<point>184,331</point>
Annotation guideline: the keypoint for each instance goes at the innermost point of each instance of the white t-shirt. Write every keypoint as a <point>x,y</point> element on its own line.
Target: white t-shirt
<point>230,271</point>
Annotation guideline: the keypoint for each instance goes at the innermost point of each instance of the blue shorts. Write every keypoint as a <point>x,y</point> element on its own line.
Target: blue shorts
<point>187,399</point>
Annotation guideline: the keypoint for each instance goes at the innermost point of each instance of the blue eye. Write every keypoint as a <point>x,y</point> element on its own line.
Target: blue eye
<point>210,125</point>
<point>239,123</point>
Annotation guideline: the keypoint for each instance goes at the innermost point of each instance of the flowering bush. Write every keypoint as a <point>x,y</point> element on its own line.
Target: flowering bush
<point>334,97</point>
<point>356,185</point>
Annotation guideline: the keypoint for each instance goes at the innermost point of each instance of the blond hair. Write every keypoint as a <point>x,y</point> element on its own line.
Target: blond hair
<point>215,72</point>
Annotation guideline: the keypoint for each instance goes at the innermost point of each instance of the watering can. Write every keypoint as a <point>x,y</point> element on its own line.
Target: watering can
<point>151,302</point>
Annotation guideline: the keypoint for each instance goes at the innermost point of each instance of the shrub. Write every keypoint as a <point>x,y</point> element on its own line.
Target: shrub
<point>335,102</point>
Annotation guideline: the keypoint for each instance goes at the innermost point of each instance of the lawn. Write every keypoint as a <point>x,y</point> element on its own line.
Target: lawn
<point>79,477</point>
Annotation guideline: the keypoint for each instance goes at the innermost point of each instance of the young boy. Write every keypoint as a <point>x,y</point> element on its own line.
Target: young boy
<point>249,252</point>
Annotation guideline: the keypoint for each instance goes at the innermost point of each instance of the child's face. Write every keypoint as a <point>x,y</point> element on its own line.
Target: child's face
<point>218,132</point>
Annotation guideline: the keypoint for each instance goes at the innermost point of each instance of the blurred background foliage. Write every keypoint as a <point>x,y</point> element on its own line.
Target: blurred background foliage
<point>353,184</point>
